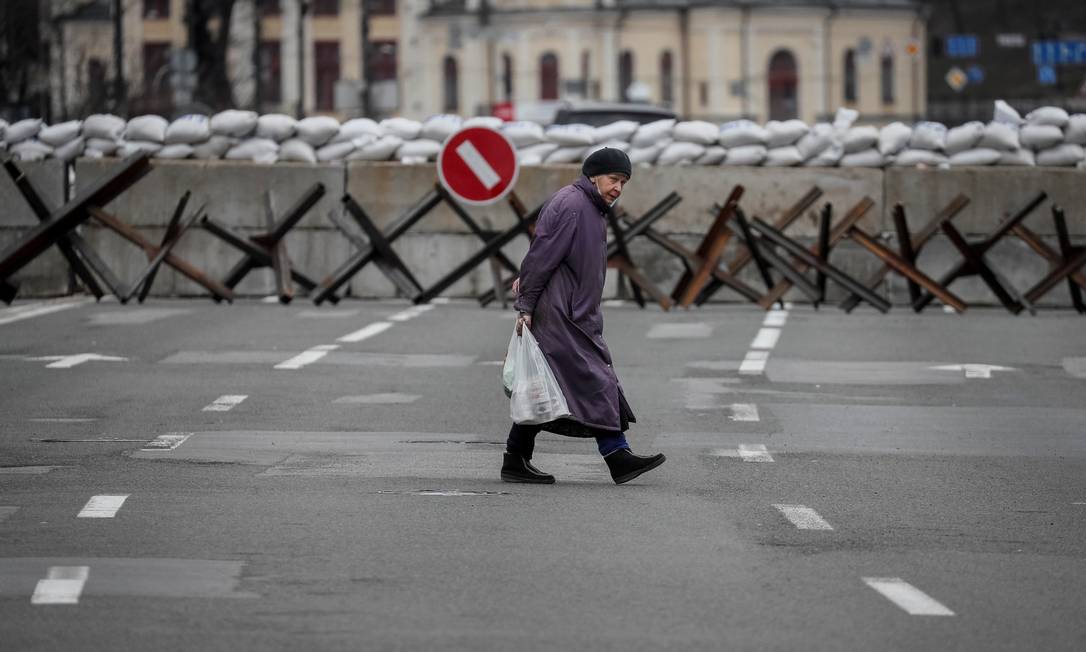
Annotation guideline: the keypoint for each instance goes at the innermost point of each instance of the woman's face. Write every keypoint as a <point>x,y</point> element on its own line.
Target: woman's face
<point>610,186</point>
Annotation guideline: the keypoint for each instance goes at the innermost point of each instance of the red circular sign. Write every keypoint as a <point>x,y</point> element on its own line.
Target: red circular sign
<point>477,165</point>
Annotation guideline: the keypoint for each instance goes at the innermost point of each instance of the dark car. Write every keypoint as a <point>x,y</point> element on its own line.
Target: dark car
<point>598,114</point>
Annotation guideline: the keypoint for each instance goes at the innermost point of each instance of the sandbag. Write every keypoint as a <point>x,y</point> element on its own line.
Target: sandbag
<point>588,151</point>
<point>894,138</point>
<point>783,133</point>
<point>647,155</point>
<point>92,154</point>
<point>979,156</point>
<point>565,155</point>
<point>31,150</point>
<point>963,137</point>
<point>1022,156</point>
<point>22,130</point>
<point>782,157</point>
<point>130,147</point>
<point>1065,155</point>
<point>1004,113</point>
<point>695,131</point>
<point>425,149</point>
<point>680,152</point>
<point>651,133</point>
<point>440,127</point>
<point>60,134</point>
<point>575,135</point>
<point>176,151</point>
<point>401,128</point>
<point>358,128</point>
<point>106,146</point>
<point>845,118</point>
<point>529,159</point>
<point>1039,137</point>
<point>928,135</point>
<point>297,150</point>
<point>276,126</point>
<point>234,123</point>
<point>317,130</point>
<point>488,121</point>
<point>1001,136</point>
<point>339,151</point>
<point>1048,115</point>
<point>70,150</point>
<point>538,152</point>
<point>858,139</point>
<point>827,158</point>
<point>818,139</point>
<point>869,158</point>
<point>741,133</point>
<point>714,155</point>
<point>147,128</point>
<point>914,157</point>
<point>745,155</point>
<point>523,134</point>
<point>1075,132</point>
<point>258,150</point>
<point>216,147</point>
<point>381,149</point>
<point>620,130</point>
<point>188,130</point>
<point>103,126</point>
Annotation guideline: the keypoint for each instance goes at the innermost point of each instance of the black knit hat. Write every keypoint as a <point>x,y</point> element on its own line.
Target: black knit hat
<point>607,160</point>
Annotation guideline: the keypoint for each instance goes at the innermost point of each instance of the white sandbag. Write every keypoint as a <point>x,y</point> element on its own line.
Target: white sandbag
<point>60,134</point>
<point>529,159</point>
<point>869,158</point>
<point>817,140</point>
<point>714,155</point>
<point>131,147</point>
<point>22,130</point>
<point>92,154</point>
<point>381,149</point>
<point>620,130</point>
<point>695,131</point>
<point>258,150</point>
<point>979,156</point>
<point>339,151</point>
<point>539,152</point>
<point>317,130</point>
<point>787,132</point>
<point>741,133</point>
<point>565,155</point>
<point>1001,136</point>
<point>401,128</point>
<point>651,133</point>
<point>1022,157</point>
<point>1004,113</point>
<point>147,128</point>
<point>103,126</point>
<point>575,135</point>
<point>297,150</point>
<point>1048,115</point>
<point>414,160</point>
<point>963,137</point>
<point>234,123</point>
<point>358,128</point>
<point>1067,154</point>
<point>215,148</point>
<point>1075,132</point>
<point>175,151</point>
<point>106,146</point>
<point>783,157</point>
<point>827,158</point>
<point>845,118</point>
<point>188,130</point>
<point>745,155</point>
<point>1038,137</point>
<point>70,150</point>
<point>488,121</point>
<point>440,127</point>
<point>31,150</point>
<point>928,135</point>
<point>908,158</point>
<point>589,151</point>
<point>523,134</point>
<point>647,155</point>
<point>276,126</point>
<point>679,152</point>
<point>858,139</point>
<point>427,149</point>
<point>894,138</point>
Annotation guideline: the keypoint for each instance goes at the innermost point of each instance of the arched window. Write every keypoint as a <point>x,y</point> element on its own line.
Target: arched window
<point>886,77</point>
<point>507,77</point>
<point>850,90</point>
<point>625,74</point>
<point>783,83</point>
<point>548,76</point>
<point>452,85</point>
<point>666,78</point>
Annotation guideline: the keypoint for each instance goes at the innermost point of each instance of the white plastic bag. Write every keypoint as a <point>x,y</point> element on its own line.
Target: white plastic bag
<point>535,396</point>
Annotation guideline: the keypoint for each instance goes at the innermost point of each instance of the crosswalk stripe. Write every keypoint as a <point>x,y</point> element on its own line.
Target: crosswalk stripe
<point>754,453</point>
<point>307,357</point>
<point>62,585</point>
<point>366,332</point>
<point>804,518</point>
<point>906,596</point>
<point>744,412</point>
<point>102,506</point>
<point>225,403</point>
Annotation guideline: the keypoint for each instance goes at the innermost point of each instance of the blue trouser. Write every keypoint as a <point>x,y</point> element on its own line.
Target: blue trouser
<point>522,441</point>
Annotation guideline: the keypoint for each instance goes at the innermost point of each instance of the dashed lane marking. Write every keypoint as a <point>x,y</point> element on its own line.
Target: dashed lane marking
<point>62,585</point>
<point>758,356</point>
<point>411,313</point>
<point>754,362</point>
<point>775,318</point>
<point>766,339</point>
<point>804,518</point>
<point>744,412</point>
<point>366,332</point>
<point>225,403</point>
<point>327,314</point>
<point>31,310</point>
<point>167,442</point>
<point>307,357</point>
<point>754,453</point>
<point>102,506</point>
<point>906,596</point>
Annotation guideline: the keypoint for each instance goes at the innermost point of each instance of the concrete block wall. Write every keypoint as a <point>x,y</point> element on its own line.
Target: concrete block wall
<point>47,275</point>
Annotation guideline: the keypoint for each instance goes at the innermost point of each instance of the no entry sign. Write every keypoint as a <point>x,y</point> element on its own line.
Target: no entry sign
<point>477,165</point>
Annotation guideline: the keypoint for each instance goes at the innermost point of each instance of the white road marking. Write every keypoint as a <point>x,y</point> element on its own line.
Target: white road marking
<point>62,585</point>
<point>225,403</point>
<point>478,165</point>
<point>744,412</point>
<point>491,363</point>
<point>766,339</point>
<point>167,442</point>
<point>379,399</point>
<point>69,361</point>
<point>758,355</point>
<point>27,470</point>
<point>271,298</point>
<point>366,332</point>
<point>680,331</point>
<point>449,492</point>
<point>326,314</point>
<point>63,419</point>
<point>804,518</point>
<point>776,318</point>
<point>974,370</point>
<point>441,300</point>
<point>754,363</point>
<point>102,506</point>
<point>411,313</point>
<point>31,310</point>
<point>754,453</point>
<point>914,601</point>
<point>614,303</point>
<point>307,357</point>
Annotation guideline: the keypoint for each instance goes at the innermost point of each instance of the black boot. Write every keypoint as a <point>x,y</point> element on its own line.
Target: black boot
<point>626,466</point>
<point>517,469</point>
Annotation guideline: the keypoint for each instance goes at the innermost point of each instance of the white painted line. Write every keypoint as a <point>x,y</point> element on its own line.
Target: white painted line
<point>775,318</point>
<point>766,339</point>
<point>69,361</point>
<point>102,506</point>
<point>411,313</point>
<point>478,165</point>
<point>366,332</point>
<point>804,518</point>
<point>225,403</point>
<point>19,313</point>
<point>614,303</point>
<point>307,357</point>
<point>744,412</point>
<point>62,585</point>
<point>754,362</point>
<point>914,601</point>
<point>272,298</point>
<point>974,370</point>
<point>441,300</point>
<point>167,442</point>
<point>754,453</point>
<point>491,363</point>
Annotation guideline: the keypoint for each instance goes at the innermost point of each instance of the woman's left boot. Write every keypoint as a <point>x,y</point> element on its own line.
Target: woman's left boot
<point>626,466</point>
<point>517,469</point>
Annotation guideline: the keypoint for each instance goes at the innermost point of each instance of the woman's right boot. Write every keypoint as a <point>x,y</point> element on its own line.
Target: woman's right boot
<point>517,469</point>
<point>626,466</point>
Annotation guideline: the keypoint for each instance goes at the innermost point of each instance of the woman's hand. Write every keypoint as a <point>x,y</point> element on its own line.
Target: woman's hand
<point>516,286</point>
<point>524,319</point>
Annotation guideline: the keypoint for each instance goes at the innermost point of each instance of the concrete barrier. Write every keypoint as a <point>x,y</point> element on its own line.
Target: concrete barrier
<point>48,275</point>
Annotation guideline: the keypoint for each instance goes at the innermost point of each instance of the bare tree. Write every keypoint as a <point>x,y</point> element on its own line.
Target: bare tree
<point>208,23</point>
<point>23,59</point>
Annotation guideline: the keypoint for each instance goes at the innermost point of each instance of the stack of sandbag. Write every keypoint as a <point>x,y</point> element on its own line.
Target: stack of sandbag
<point>1043,132</point>
<point>102,133</point>
<point>21,139</point>
<point>859,143</point>
<point>65,139</point>
<point>572,142</point>
<point>689,142</point>
<point>143,134</point>
<point>650,140</point>
<point>782,141</point>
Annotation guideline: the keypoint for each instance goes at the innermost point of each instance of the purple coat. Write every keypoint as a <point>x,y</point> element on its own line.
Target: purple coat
<point>561,285</point>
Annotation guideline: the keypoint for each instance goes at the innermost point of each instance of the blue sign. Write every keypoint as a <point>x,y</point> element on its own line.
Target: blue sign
<point>961,46</point>
<point>1046,75</point>
<point>1054,53</point>
<point>975,74</point>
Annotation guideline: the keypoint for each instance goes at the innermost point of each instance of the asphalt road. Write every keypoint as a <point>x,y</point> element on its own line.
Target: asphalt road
<point>246,477</point>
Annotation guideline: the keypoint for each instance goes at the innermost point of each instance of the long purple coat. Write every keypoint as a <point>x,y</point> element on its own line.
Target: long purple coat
<point>561,285</point>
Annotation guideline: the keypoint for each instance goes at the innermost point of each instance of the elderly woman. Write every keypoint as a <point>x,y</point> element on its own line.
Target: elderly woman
<point>558,299</point>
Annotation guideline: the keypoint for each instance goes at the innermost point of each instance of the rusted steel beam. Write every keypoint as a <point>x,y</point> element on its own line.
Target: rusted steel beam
<point>386,259</point>
<point>710,250</point>
<point>755,251</point>
<point>172,235</point>
<point>824,220</point>
<point>975,264</point>
<point>902,266</point>
<point>908,254</point>
<point>691,261</point>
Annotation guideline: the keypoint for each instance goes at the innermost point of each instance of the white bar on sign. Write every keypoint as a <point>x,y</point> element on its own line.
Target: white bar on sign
<point>914,601</point>
<point>754,362</point>
<point>62,585</point>
<point>754,453</point>
<point>804,518</point>
<point>478,165</point>
<point>366,332</point>
<point>775,318</point>
<point>766,339</point>
<point>102,506</point>
<point>225,403</point>
<point>744,412</point>
<point>307,357</point>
